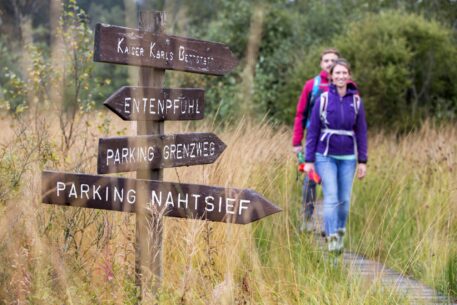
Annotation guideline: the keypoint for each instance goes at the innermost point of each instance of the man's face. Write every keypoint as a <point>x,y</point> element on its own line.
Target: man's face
<point>327,61</point>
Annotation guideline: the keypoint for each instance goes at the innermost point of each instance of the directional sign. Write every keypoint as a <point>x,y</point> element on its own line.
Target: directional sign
<point>120,45</point>
<point>157,104</point>
<point>194,201</point>
<point>123,154</point>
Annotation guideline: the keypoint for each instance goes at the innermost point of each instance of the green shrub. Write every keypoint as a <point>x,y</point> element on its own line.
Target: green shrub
<point>405,66</point>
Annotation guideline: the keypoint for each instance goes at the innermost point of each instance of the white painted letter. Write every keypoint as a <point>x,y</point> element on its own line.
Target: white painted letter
<point>207,198</point>
<point>156,198</point>
<point>186,200</point>
<point>85,189</point>
<point>229,205</point>
<point>118,194</point>
<point>181,53</point>
<point>119,41</point>
<point>131,196</point>
<point>127,104</point>
<point>60,187</point>
<point>243,207</point>
<point>150,50</point>
<point>109,155</point>
<point>95,191</point>
<point>196,196</point>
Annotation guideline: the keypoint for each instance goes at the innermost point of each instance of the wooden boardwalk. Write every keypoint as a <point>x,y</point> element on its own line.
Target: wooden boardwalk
<point>415,291</point>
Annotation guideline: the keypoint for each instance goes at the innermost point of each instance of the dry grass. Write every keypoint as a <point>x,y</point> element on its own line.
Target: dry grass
<point>405,212</point>
<point>54,255</point>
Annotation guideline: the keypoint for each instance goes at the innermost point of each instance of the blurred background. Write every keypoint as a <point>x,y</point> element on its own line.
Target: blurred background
<point>403,53</point>
<point>404,214</point>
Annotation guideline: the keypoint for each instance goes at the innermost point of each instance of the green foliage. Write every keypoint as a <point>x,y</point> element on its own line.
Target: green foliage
<point>26,148</point>
<point>76,76</point>
<point>228,25</point>
<point>11,85</point>
<point>405,67</point>
<point>108,77</point>
<point>451,275</point>
<point>411,51</point>
<point>288,29</point>
<point>233,19</point>
<point>402,61</point>
<point>13,92</point>
<point>281,34</point>
<point>9,175</point>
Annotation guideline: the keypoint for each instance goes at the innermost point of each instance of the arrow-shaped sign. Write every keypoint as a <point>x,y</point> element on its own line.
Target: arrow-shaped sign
<point>194,201</point>
<point>157,104</point>
<point>120,45</point>
<point>123,154</point>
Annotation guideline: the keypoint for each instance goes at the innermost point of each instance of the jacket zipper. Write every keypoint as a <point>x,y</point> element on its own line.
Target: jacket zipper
<point>341,112</point>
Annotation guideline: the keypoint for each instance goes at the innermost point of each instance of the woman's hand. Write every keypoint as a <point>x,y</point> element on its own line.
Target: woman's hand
<point>309,167</point>
<point>361,170</point>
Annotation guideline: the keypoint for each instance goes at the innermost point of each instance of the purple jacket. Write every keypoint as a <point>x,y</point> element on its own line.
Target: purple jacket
<point>341,116</point>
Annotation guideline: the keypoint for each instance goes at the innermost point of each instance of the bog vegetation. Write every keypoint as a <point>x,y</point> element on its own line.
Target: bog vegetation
<point>53,254</point>
<point>403,55</point>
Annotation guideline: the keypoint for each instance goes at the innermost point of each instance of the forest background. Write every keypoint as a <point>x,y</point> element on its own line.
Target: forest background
<point>402,52</point>
<point>403,55</point>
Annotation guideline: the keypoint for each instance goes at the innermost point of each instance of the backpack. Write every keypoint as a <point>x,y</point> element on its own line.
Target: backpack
<point>327,132</point>
<point>323,107</point>
<point>312,100</point>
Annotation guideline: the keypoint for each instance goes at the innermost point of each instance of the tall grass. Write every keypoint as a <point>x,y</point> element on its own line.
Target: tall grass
<point>63,255</point>
<point>405,212</point>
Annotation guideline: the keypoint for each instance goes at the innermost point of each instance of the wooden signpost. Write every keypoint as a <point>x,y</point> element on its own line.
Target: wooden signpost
<point>231,205</point>
<point>148,196</point>
<point>149,224</point>
<point>156,104</point>
<point>120,45</point>
<point>124,154</point>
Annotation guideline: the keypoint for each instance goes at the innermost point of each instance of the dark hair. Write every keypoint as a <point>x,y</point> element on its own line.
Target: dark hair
<point>342,62</point>
<point>330,50</point>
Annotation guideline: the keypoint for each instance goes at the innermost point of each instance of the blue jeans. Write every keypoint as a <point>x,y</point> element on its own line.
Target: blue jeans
<point>337,177</point>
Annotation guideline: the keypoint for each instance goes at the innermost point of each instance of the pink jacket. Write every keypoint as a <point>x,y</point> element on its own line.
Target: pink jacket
<point>303,111</point>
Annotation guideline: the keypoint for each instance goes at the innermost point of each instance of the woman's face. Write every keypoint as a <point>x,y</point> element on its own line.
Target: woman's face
<point>340,75</point>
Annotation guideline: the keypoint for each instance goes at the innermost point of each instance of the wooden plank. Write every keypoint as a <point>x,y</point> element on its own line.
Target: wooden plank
<point>193,201</point>
<point>120,45</point>
<point>157,104</point>
<point>124,154</point>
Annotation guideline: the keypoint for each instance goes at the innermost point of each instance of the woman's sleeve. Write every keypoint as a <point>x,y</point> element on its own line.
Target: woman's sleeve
<point>313,133</point>
<point>361,135</point>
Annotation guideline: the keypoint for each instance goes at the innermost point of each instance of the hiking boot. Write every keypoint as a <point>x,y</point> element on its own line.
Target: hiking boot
<point>340,240</point>
<point>307,226</point>
<point>332,241</point>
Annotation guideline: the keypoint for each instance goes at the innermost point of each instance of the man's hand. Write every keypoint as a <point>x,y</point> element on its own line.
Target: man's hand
<point>361,170</point>
<point>297,149</point>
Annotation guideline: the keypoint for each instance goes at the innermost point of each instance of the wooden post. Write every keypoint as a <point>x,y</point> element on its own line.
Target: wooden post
<point>149,226</point>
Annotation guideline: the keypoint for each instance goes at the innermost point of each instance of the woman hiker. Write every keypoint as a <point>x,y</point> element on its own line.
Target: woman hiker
<point>336,145</point>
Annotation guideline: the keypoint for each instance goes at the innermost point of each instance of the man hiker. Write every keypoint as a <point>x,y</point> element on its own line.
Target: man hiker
<point>310,93</point>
